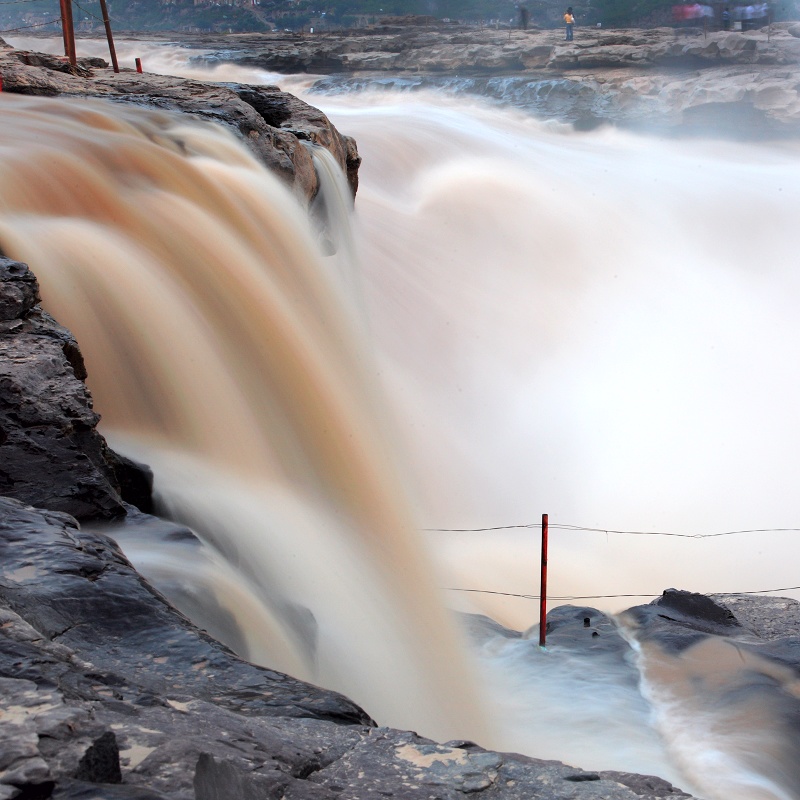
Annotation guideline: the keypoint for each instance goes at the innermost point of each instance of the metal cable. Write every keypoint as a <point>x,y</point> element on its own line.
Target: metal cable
<point>565,527</point>
<point>607,596</point>
<point>37,25</point>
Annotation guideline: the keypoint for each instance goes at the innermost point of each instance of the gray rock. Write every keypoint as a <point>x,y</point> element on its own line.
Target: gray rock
<point>765,617</point>
<point>100,762</point>
<point>678,620</point>
<point>50,453</point>
<point>722,668</point>
<point>424,769</point>
<point>19,290</point>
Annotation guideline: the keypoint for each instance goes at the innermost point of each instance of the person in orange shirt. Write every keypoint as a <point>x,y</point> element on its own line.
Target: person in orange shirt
<point>569,19</point>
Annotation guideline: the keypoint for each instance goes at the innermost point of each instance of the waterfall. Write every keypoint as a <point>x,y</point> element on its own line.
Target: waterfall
<point>219,353</point>
<point>597,326</point>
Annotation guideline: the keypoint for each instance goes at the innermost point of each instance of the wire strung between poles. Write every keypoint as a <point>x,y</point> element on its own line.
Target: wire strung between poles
<point>37,25</point>
<point>75,3</point>
<point>610,596</point>
<point>565,527</point>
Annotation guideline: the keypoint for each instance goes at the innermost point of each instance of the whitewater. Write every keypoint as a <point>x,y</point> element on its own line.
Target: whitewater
<point>600,326</point>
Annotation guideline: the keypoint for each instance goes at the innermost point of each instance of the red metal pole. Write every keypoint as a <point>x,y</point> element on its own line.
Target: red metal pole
<point>1,83</point>
<point>138,64</point>
<point>72,53</point>
<point>107,23</point>
<point>543,592</point>
<point>65,26</point>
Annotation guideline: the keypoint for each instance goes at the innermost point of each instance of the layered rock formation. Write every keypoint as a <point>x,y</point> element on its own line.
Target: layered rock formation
<point>50,453</point>
<point>474,51</point>
<point>732,82</point>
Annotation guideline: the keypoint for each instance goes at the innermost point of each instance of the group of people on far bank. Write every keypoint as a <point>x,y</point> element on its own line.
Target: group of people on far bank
<point>751,16</point>
<point>748,17</point>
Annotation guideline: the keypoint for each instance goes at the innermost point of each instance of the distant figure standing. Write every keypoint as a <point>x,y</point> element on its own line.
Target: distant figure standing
<point>726,19</point>
<point>569,19</point>
<point>524,18</point>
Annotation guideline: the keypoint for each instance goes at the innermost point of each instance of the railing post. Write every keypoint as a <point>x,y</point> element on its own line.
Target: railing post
<point>65,26</point>
<point>111,49</point>
<point>543,592</point>
<point>69,32</point>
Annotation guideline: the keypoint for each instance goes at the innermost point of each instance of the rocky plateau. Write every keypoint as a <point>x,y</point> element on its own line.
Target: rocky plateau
<point>729,82</point>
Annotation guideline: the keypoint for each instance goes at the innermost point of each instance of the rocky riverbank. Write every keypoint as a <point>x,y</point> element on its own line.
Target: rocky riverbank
<point>488,51</point>
<point>727,82</point>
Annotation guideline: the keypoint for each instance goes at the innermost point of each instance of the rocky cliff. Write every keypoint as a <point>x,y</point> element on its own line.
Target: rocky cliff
<point>275,125</point>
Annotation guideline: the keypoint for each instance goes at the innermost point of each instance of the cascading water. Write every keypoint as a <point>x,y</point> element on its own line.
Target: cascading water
<point>215,340</point>
<point>598,326</point>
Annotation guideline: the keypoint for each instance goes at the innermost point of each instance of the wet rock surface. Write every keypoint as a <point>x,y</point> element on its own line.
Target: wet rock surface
<point>107,691</point>
<point>50,453</point>
<point>708,671</point>
<point>679,619</point>
<point>275,125</point>
<point>682,618</point>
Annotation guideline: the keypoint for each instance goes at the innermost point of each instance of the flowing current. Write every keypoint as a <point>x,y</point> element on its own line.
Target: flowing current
<point>598,326</point>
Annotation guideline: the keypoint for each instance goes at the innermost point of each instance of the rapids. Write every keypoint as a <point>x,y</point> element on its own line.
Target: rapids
<point>598,326</point>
